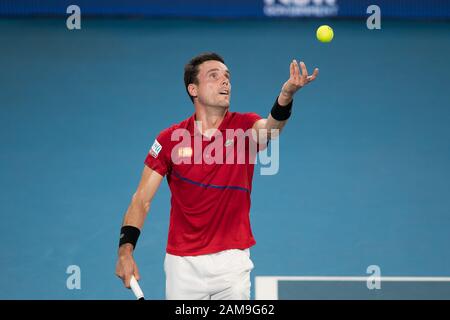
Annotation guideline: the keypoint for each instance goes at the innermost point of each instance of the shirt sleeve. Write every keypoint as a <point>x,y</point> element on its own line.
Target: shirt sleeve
<point>249,120</point>
<point>158,157</point>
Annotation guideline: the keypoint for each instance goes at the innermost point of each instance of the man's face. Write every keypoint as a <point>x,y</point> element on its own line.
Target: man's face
<point>213,88</point>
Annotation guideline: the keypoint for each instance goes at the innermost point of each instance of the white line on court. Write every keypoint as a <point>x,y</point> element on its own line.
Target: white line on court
<point>266,287</point>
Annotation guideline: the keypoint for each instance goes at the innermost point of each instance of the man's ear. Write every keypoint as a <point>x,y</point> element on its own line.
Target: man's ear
<point>192,89</point>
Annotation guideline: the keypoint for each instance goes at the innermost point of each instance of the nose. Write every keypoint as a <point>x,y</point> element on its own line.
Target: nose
<point>225,81</point>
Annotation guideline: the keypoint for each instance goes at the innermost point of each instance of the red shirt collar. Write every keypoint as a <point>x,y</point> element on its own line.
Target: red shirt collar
<point>222,126</point>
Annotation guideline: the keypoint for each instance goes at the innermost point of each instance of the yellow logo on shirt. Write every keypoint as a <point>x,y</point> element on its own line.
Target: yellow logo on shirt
<point>185,152</point>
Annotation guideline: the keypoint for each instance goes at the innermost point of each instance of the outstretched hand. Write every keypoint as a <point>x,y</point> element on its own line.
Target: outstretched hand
<point>297,80</point>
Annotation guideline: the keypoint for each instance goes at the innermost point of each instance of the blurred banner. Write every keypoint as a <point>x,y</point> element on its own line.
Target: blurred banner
<point>439,9</point>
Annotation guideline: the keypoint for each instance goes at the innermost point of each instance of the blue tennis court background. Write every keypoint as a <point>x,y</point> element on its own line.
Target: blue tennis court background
<point>364,173</point>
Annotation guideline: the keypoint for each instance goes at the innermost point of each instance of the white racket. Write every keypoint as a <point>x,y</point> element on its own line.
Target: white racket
<point>136,289</point>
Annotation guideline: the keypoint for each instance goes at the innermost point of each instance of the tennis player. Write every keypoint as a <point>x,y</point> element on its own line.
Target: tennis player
<point>207,255</point>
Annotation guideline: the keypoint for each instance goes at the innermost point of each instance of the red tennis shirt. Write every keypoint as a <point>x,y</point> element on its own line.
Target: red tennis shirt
<point>210,181</point>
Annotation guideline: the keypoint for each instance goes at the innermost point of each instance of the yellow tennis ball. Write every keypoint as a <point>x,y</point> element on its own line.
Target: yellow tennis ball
<point>325,33</point>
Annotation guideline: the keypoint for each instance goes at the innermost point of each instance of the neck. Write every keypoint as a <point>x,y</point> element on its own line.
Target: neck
<point>210,117</point>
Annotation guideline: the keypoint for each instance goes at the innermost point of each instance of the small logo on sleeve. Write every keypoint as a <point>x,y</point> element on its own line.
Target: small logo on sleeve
<point>155,149</point>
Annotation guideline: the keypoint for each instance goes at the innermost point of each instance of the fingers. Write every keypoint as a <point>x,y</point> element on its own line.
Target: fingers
<point>292,69</point>
<point>299,79</point>
<point>120,272</point>
<point>126,280</point>
<point>303,67</point>
<point>125,269</point>
<point>314,75</point>
<point>136,273</point>
<point>296,70</point>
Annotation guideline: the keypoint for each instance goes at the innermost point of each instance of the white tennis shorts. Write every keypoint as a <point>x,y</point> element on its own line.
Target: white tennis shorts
<point>219,276</point>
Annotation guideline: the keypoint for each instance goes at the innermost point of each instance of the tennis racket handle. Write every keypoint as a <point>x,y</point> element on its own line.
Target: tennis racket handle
<point>136,288</point>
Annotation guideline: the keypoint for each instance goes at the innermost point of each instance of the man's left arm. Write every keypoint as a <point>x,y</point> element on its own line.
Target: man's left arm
<point>281,110</point>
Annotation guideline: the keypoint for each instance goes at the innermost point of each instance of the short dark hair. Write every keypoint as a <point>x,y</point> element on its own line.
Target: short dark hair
<point>191,68</point>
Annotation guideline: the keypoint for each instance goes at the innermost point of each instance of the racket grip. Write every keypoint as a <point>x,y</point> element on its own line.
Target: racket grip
<point>136,288</point>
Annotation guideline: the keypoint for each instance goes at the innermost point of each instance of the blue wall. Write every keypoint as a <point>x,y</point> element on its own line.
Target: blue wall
<point>364,174</point>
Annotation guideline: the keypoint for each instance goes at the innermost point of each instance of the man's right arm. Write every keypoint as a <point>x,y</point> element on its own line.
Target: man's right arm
<point>135,216</point>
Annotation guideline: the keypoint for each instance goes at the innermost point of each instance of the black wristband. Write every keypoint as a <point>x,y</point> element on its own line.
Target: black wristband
<point>280,113</point>
<point>129,234</point>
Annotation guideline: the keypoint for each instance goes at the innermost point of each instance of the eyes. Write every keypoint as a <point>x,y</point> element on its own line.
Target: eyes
<point>215,76</point>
